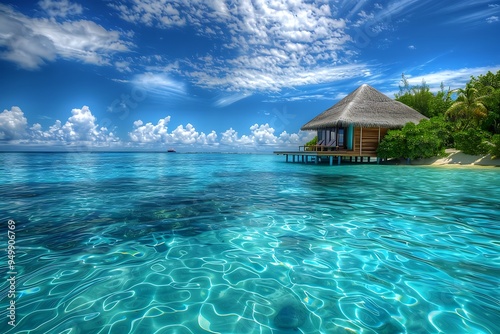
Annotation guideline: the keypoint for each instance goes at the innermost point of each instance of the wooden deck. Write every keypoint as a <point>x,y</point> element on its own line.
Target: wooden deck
<point>365,142</point>
<point>338,155</point>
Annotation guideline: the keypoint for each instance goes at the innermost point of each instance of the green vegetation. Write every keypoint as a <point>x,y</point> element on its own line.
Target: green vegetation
<point>467,119</point>
<point>472,141</point>
<point>422,100</point>
<point>427,139</point>
<point>495,149</point>
<point>468,110</point>
<point>313,141</point>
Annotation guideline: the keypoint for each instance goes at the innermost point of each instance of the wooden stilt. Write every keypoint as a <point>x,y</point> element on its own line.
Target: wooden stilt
<point>331,160</point>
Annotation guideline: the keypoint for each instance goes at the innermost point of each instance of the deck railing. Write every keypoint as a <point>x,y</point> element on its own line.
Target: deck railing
<point>318,148</point>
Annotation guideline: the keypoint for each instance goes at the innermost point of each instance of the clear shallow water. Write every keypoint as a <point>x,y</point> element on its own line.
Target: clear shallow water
<point>189,243</point>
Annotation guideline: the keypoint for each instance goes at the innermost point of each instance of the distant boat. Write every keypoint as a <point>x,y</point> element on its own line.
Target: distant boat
<point>171,150</point>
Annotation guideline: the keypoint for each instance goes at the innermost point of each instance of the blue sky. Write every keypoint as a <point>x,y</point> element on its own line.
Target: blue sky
<point>216,75</point>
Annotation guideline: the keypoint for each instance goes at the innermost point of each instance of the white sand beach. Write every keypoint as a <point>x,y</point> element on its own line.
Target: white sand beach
<point>458,158</point>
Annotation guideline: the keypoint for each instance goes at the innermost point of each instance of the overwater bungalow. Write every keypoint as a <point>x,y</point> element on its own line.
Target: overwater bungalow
<point>354,126</point>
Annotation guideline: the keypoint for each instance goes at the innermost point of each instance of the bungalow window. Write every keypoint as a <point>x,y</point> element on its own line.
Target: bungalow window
<point>340,138</point>
<point>321,137</point>
<point>333,137</point>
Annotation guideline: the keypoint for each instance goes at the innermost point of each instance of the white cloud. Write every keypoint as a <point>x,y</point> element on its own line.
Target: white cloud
<point>123,66</point>
<point>492,19</point>
<point>279,43</point>
<point>363,17</point>
<point>453,78</point>
<point>151,13</point>
<point>12,124</point>
<point>60,8</point>
<point>402,6</point>
<point>81,128</point>
<point>31,42</point>
<point>263,134</point>
<point>269,44</point>
<point>302,97</point>
<point>21,45</point>
<point>471,12</point>
<point>276,78</point>
<point>150,133</point>
<point>412,47</point>
<point>474,18</point>
<point>185,135</point>
<point>210,139</point>
<point>295,139</point>
<point>229,137</point>
<point>158,83</point>
<point>262,137</point>
<point>228,100</point>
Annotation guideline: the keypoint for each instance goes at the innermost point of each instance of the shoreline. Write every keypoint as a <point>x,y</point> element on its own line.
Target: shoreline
<point>458,159</point>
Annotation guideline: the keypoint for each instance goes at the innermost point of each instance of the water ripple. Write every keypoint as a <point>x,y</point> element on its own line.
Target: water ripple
<point>245,244</point>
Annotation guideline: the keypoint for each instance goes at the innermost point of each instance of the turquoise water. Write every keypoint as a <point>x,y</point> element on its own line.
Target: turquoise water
<point>212,243</point>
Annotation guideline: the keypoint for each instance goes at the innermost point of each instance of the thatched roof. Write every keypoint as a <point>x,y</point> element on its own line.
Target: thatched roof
<point>365,107</point>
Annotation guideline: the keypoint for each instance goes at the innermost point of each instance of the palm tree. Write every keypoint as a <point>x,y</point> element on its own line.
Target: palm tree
<point>468,108</point>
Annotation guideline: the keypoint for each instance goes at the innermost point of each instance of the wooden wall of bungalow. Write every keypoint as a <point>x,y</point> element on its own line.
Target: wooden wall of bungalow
<point>356,141</point>
<point>366,140</point>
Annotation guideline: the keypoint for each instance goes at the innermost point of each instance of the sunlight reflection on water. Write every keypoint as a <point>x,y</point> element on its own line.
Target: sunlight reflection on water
<point>143,243</point>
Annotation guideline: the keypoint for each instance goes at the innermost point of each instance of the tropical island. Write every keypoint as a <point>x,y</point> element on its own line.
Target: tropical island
<point>459,126</point>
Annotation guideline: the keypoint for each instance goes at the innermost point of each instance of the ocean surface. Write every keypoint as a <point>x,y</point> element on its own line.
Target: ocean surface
<point>226,243</point>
